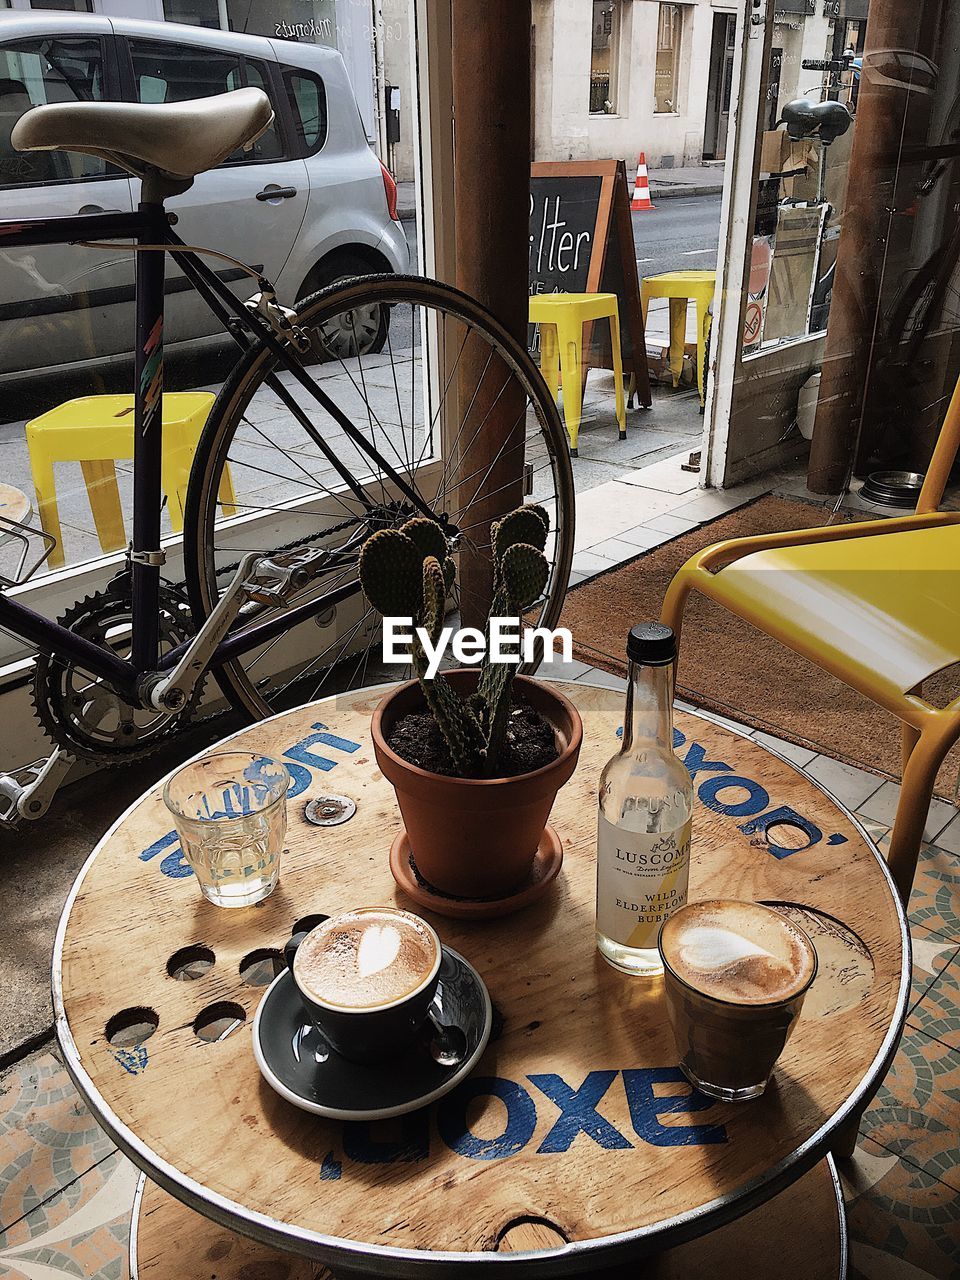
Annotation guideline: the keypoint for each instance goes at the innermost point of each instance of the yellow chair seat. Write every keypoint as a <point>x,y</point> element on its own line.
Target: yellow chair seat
<point>97,431</point>
<point>882,612</point>
<point>561,317</point>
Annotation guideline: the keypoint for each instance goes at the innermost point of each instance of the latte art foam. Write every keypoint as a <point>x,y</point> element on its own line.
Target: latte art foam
<point>737,951</point>
<point>365,959</point>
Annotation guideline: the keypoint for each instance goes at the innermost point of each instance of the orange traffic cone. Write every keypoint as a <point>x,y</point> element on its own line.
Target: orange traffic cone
<point>641,201</point>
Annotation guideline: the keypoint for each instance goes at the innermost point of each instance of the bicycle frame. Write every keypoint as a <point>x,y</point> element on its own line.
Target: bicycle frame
<point>151,225</point>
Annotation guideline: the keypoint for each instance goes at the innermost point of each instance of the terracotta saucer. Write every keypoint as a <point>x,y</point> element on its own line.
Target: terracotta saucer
<point>546,868</point>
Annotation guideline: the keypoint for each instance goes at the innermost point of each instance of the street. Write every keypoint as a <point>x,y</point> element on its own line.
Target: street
<point>680,235</point>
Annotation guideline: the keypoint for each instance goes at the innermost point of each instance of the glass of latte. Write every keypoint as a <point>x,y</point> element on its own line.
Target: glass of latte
<point>230,812</point>
<point>367,978</point>
<point>735,975</point>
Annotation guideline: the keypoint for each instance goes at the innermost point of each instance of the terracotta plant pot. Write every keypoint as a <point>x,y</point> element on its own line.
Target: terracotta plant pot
<point>477,837</point>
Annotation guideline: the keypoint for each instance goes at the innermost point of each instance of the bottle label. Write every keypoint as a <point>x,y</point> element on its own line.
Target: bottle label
<point>641,880</point>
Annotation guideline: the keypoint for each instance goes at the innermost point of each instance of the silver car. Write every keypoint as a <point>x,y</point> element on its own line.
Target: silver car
<point>309,204</point>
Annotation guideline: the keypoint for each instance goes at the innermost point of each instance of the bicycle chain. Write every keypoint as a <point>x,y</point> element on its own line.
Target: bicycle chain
<point>287,546</point>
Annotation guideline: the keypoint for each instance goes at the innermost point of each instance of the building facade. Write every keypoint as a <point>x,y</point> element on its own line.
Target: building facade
<point>615,77</point>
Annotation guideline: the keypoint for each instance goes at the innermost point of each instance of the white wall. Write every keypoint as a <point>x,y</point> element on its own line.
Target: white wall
<point>398,36</point>
<point>564,127</point>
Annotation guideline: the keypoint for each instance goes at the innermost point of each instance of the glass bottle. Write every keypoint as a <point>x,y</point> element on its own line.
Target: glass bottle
<point>645,807</point>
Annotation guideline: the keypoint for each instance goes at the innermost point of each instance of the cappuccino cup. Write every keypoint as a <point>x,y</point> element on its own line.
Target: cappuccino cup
<point>735,975</point>
<point>367,978</point>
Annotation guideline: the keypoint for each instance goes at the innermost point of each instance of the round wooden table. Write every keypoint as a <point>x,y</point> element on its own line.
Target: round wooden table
<point>576,1144</point>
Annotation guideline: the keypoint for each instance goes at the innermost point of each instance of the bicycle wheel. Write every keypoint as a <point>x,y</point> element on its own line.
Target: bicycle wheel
<point>451,419</point>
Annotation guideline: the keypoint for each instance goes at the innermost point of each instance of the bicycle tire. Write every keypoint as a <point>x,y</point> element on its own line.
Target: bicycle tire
<point>249,375</point>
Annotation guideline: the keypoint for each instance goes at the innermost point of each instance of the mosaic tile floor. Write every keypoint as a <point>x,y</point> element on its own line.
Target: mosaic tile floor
<point>66,1193</point>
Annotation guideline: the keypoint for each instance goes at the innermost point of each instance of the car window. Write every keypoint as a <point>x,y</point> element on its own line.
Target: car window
<point>175,73</point>
<point>308,101</point>
<point>38,71</point>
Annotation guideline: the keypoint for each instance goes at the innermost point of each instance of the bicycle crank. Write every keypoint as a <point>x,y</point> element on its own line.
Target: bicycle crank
<point>84,716</point>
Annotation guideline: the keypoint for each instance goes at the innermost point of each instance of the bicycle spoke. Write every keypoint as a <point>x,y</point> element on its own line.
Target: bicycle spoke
<point>432,442</point>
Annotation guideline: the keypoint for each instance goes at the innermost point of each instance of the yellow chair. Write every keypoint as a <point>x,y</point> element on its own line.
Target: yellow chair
<point>97,431</point>
<point>680,287</point>
<point>561,317</point>
<point>877,604</point>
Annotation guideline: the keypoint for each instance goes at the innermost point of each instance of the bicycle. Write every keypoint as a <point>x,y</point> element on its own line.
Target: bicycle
<point>333,425</point>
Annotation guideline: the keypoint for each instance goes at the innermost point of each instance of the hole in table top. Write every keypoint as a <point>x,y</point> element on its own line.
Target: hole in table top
<point>259,968</point>
<point>190,962</point>
<point>306,923</point>
<point>130,1027</point>
<point>219,1020</point>
<point>527,1232</point>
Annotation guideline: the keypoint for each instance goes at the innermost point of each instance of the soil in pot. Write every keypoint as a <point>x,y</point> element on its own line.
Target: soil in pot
<point>530,743</point>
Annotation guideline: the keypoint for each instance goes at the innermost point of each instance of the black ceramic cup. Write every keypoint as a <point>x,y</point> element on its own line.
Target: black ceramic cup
<point>369,1033</point>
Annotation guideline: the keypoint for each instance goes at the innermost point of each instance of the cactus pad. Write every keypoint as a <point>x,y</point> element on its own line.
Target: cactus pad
<point>391,574</point>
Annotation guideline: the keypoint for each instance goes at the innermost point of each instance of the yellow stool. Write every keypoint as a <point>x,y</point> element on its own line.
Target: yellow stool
<point>96,431</point>
<point>680,287</point>
<point>561,317</point>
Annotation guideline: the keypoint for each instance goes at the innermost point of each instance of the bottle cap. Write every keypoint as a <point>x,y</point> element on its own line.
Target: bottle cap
<point>651,643</point>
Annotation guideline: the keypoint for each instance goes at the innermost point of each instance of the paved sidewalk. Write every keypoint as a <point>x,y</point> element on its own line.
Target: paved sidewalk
<point>697,180</point>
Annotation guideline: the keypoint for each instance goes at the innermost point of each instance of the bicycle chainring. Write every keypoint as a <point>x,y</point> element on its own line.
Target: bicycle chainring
<point>83,714</point>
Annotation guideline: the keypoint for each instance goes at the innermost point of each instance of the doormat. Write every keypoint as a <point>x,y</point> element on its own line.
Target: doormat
<point>729,667</point>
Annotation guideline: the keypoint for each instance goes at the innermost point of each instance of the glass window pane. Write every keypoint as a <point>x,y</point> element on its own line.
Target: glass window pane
<point>195,13</point>
<point>605,42</point>
<point>666,76</point>
<point>176,73</point>
<point>309,102</point>
<point>38,71</point>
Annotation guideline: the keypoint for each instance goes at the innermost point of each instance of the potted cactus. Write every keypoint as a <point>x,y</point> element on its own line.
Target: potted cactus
<point>476,755</point>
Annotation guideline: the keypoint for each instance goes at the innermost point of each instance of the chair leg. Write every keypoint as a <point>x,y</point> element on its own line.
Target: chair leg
<point>549,358</point>
<point>618,374</point>
<point>44,486</point>
<point>100,477</point>
<point>678,337</point>
<point>916,792</point>
<point>572,389</point>
<point>228,499</point>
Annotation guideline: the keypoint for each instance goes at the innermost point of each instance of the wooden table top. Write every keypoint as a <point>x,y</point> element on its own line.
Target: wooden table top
<point>577,1116</point>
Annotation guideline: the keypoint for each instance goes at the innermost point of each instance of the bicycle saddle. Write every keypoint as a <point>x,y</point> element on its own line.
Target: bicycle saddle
<point>169,141</point>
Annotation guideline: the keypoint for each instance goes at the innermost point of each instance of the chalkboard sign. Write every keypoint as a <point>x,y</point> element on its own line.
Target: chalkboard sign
<point>563,223</point>
<point>581,241</point>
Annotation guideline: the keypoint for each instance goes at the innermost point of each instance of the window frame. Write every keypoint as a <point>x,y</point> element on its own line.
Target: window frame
<point>286,70</point>
<point>112,80</point>
<point>273,87</point>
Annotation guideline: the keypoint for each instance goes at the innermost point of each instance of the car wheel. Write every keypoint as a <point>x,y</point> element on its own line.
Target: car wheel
<point>359,331</point>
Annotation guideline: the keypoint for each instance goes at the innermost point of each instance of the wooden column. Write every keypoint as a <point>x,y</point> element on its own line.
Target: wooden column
<point>850,353</point>
<point>492,156</point>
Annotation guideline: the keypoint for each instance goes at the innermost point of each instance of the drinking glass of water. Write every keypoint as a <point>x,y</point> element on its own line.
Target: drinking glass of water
<point>230,812</point>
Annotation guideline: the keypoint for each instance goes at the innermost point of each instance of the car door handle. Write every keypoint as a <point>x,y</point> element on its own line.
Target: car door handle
<point>96,208</point>
<point>271,192</point>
